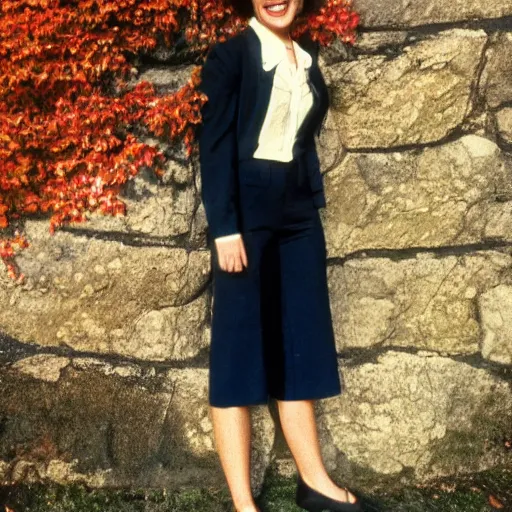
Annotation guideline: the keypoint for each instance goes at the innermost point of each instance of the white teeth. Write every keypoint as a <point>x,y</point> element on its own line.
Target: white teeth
<point>277,8</point>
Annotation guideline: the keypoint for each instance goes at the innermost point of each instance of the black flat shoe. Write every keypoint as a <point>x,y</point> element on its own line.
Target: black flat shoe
<point>313,501</point>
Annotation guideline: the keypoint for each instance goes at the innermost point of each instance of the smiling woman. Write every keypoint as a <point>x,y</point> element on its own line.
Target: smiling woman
<point>271,331</point>
<point>275,8</point>
<point>278,9</point>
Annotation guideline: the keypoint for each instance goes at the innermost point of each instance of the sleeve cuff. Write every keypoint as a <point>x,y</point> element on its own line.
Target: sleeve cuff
<point>229,237</point>
<point>319,199</point>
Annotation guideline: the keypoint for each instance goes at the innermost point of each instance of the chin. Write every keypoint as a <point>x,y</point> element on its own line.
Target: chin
<point>278,14</point>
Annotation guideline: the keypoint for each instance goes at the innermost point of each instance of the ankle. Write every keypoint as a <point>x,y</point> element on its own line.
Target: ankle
<point>245,506</point>
<point>316,481</point>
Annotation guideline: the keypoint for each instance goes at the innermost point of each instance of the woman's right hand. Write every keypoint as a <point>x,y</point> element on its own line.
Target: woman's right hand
<point>231,253</point>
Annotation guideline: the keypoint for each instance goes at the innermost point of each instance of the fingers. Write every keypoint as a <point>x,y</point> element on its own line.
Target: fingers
<point>238,263</point>
<point>231,253</point>
<point>243,254</point>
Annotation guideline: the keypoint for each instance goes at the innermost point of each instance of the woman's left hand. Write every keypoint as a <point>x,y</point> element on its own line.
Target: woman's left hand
<point>231,254</point>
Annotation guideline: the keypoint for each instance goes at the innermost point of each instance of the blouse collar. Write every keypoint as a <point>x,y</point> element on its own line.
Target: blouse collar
<point>273,50</point>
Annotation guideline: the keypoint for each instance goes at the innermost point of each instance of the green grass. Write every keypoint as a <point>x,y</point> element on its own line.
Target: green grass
<point>464,494</point>
<point>472,493</point>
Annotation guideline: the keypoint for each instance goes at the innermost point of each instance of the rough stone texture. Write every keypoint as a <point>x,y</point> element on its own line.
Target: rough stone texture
<point>419,412</point>
<point>496,313</point>
<point>103,351</point>
<point>495,81</point>
<point>329,146</point>
<point>104,424</point>
<point>43,367</point>
<point>165,79</point>
<point>387,43</point>
<point>424,302</point>
<point>438,196</point>
<point>382,13</point>
<point>421,96</point>
<point>160,208</point>
<point>379,42</point>
<point>105,296</point>
<point>504,122</point>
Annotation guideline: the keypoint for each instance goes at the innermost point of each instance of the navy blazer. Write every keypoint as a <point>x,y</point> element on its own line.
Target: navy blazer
<point>238,90</point>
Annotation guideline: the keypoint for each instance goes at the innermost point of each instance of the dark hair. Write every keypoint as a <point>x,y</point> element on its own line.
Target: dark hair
<point>244,8</point>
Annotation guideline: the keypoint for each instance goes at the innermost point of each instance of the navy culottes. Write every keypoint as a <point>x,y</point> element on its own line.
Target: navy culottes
<point>271,330</point>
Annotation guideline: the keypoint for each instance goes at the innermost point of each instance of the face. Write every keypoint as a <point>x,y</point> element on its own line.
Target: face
<point>277,15</point>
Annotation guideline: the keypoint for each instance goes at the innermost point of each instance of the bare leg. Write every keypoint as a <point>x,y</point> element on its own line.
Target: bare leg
<point>299,427</point>
<point>232,431</point>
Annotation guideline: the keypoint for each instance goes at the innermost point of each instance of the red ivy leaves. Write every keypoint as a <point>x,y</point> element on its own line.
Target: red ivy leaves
<point>65,142</point>
<point>334,20</point>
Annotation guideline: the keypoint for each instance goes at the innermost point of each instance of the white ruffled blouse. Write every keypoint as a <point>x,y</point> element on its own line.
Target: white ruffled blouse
<point>290,98</point>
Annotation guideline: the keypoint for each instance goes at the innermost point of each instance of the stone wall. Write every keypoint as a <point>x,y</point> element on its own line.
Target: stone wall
<point>104,350</point>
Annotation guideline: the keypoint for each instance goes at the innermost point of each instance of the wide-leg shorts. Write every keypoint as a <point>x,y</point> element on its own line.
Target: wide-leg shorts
<point>271,331</point>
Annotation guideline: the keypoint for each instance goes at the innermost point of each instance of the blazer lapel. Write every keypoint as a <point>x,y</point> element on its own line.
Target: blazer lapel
<point>254,48</point>
<point>321,98</point>
<point>258,84</point>
<point>258,87</point>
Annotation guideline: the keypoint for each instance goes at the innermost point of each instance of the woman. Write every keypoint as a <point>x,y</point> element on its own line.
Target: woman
<point>272,332</point>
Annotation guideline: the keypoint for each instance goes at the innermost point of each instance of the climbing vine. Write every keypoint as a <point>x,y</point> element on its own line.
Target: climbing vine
<point>72,114</point>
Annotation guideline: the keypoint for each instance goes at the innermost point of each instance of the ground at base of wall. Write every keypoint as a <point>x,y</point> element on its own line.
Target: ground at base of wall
<point>485,491</point>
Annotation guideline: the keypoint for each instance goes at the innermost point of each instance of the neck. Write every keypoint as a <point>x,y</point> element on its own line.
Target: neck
<point>281,33</point>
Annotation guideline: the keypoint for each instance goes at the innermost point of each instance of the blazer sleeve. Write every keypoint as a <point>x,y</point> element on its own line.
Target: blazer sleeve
<point>218,153</point>
<point>315,176</point>
<point>312,160</point>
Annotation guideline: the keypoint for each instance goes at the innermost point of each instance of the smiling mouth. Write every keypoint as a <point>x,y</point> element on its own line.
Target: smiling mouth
<point>276,9</point>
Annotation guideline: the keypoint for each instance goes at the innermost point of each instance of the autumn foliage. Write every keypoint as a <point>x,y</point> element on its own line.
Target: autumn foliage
<point>71,115</point>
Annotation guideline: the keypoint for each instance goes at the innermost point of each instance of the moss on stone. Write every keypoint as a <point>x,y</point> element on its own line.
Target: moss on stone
<point>470,493</point>
<point>483,443</point>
